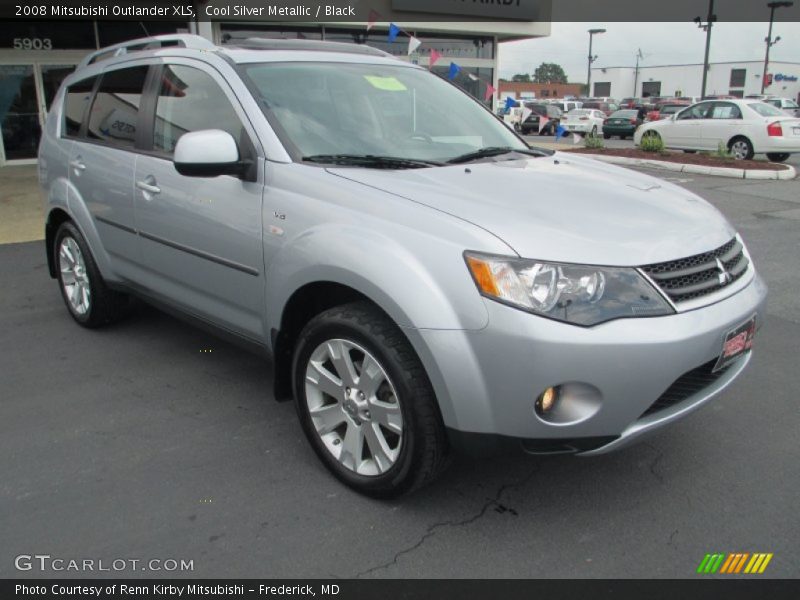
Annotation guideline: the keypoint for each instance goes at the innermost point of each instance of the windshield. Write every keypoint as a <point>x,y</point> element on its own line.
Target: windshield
<point>374,109</point>
<point>668,109</point>
<point>625,114</point>
<point>766,110</point>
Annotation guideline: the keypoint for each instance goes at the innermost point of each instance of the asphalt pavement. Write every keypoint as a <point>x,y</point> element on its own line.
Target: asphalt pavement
<point>152,439</point>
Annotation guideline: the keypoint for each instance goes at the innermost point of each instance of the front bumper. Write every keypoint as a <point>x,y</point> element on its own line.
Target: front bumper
<point>487,380</point>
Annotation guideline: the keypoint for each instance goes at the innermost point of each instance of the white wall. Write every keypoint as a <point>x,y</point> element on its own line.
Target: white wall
<point>688,79</point>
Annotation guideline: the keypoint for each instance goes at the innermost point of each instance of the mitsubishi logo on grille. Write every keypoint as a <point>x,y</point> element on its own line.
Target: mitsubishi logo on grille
<point>723,275</point>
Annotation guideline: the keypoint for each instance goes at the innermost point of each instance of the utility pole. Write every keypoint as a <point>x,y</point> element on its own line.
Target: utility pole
<point>772,6</point>
<point>592,58</point>
<point>636,73</point>
<point>707,28</point>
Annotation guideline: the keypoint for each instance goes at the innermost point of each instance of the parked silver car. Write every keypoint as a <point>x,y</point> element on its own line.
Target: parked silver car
<point>423,280</point>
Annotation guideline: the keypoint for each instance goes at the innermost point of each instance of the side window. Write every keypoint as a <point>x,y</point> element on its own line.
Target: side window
<point>115,110</point>
<point>725,110</point>
<point>190,100</point>
<point>698,111</point>
<point>76,100</point>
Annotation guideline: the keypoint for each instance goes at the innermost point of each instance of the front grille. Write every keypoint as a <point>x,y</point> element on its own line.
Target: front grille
<point>687,384</point>
<point>699,275</point>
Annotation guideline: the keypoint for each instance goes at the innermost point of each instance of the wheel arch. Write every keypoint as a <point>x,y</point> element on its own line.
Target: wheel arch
<point>55,218</point>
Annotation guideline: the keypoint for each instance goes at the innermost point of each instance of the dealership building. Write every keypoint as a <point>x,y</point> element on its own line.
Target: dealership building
<point>728,78</point>
<point>35,56</point>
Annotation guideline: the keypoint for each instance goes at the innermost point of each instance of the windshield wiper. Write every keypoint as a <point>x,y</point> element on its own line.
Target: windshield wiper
<point>494,151</point>
<point>373,161</point>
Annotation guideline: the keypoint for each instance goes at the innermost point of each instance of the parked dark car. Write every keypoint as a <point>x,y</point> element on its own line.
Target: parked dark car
<point>622,123</point>
<point>531,124</point>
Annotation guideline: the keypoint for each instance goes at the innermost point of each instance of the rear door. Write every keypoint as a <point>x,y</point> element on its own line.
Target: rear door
<point>723,121</point>
<point>201,243</point>
<point>102,159</point>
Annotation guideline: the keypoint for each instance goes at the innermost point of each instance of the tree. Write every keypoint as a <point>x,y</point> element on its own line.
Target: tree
<point>524,77</point>
<point>549,73</point>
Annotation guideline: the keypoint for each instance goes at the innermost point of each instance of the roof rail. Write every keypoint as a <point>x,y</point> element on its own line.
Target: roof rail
<point>309,45</point>
<point>181,40</point>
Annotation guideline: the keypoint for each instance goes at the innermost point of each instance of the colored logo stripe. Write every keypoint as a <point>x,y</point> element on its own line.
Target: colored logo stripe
<point>734,563</point>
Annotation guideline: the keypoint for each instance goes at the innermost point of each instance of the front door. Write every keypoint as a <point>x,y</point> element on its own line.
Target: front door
<point>685,131</point>
<point>200,238</point>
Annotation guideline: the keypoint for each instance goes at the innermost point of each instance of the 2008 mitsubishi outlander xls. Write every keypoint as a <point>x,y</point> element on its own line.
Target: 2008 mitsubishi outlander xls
<point>422,278</point>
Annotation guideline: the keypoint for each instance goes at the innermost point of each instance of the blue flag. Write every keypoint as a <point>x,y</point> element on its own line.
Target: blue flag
<point>510,103</point>
<point>454,69</point>
<point>560,131</point>
<point>394,30</point>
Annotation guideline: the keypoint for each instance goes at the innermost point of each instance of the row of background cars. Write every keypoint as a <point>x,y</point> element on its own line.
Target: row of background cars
<point>745,127</point>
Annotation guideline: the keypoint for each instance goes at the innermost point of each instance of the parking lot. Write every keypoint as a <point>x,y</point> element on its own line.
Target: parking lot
<point>152,439</point>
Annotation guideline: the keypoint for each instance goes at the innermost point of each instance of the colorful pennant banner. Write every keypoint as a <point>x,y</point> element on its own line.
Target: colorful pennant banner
<point>413,45</point>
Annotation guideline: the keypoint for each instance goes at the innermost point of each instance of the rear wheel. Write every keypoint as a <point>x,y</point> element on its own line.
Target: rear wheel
<point>777,156</point>
<point>690,151</point>
<point>606,136</point>
<point>594,131</point>
<point>365,402</point>
<point>89,300</point>
<point>741,148</point>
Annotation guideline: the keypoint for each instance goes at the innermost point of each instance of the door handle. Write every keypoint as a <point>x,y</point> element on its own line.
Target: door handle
<point>148,187</point>
<point>78,164</point>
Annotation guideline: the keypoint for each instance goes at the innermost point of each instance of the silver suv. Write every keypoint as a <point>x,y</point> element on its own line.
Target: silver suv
<point>423,280</point>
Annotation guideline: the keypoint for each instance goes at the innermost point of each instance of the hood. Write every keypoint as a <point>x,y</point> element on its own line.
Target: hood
<point>564,208</point>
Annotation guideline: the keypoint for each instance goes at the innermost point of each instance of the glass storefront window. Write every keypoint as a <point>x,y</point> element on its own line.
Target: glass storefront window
<point>19,112</point>
<point>475,88</point>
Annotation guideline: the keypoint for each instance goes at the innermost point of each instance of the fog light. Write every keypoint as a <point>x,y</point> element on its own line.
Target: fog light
<point>546,400</point>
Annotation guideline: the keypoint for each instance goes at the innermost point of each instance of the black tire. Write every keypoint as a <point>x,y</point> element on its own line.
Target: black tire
<point>778,156</point>
<point>746,145</point>
<point>690,151</point>
<point>606,136</point>
<point>517,127</point>
<point>104,305</point>
<point>424,452</point>
<point>594,131</point>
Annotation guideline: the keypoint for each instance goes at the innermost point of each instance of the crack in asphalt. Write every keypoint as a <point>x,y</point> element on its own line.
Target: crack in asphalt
<point>434,528</point>
<point>654,463</point>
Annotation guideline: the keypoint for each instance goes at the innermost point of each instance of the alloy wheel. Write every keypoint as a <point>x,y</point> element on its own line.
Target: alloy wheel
<point>74,278</point>
<point>354,407</point>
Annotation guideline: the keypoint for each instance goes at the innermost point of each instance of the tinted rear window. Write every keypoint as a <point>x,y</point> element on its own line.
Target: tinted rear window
<point>115,110</point>
<point>76,99</point>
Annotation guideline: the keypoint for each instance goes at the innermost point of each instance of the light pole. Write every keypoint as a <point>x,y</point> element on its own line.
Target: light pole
<point>772,6</point>
<point>592,32</point>
<point>707,28</point>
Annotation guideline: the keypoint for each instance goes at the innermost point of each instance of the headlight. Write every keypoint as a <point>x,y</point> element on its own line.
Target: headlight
<point>579,294</point>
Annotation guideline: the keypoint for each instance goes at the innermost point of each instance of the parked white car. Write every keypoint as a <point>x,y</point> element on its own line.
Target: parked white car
<point>584,121</point>
<point>788,106</point>
<point>566,105</point>
<point>745,127</point>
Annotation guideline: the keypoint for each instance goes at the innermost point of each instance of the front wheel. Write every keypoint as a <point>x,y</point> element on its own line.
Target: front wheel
<point>606,136</point>
<point>594,131</point>
<point>778,156</point>
<point>365,402</point>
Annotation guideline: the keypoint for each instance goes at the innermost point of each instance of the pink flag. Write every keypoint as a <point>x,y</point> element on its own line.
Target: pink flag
<point>489,92</point>
<point>542,122</point>
<point>373,16</point>
<point>434,57</point>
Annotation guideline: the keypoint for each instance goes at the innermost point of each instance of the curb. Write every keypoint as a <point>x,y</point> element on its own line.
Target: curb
<point>788,173</point>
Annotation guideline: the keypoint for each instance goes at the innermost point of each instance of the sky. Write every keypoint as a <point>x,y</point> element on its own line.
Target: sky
<point>661,44</point>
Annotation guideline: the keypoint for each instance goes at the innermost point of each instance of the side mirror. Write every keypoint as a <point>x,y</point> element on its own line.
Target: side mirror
<point>208,153</point>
